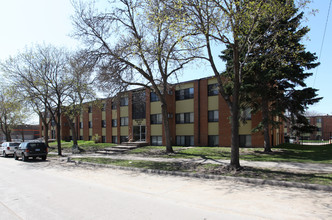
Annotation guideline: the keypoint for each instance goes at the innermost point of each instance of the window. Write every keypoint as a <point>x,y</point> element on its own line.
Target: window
<point>213,89</point>
<point>184,94</point>
<point>123,139</point>
<point>319,129</point>
<point>81,124</point>
<point>89,109</point>
<point>103,139</point>
<point>103,123</point>
<point>138,105</point>
<point>246,114</point>
<point>156,140</point>
<point>245,140</point>
<point>318,120</point>
<point>154,97</point>
<point>81,137</point>
<point>90,137</point>
<point>114,105</point>
<point>115,139</point>
<point>124,101</point>
<point>103,106</point>
<point>156,119</point>
<point>213,140</point>
<point>183,118</point>
<point>90,124</point>
<point>185,140</point>
<point>114,123</point>
<point>213,116</point>
<point>124,121</point>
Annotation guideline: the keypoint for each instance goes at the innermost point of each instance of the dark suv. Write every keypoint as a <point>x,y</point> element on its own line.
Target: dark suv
<point>31,149</point>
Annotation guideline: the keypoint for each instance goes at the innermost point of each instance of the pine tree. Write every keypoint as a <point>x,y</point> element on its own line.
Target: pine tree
<point>274,73</point>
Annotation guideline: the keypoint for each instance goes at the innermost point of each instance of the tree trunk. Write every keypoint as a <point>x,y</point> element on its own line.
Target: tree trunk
<point>8,136</point>
<point>22,133</point>
<point>266,130</point>
<point>58,133</point>
<point>235,154</point>
<point>74,135</point>
<point>169,148</point>
<point>46,133</point>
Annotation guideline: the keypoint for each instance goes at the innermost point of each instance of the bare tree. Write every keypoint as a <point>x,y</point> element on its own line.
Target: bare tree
<point>40,74</point>
<point>11,111</point>
<point>81,90</point>
<point>135,44</point>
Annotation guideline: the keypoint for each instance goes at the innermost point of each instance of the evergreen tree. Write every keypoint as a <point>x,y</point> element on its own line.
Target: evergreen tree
<point>275,72</point>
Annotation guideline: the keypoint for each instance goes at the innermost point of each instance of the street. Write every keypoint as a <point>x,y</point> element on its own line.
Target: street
<point>58,190</point>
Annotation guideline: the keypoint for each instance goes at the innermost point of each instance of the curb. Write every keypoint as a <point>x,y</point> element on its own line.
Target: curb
<point>212,177</point>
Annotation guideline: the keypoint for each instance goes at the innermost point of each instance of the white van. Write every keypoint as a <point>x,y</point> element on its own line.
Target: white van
<point>8,148</point>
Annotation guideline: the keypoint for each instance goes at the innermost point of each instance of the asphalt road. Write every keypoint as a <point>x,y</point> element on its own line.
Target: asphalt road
<point>59,190</point>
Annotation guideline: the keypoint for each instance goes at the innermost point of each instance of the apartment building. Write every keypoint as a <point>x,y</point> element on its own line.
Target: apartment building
<point>324,127</point>
<point>323,132</point>
<point>23,132</point>
<point>197,114</point>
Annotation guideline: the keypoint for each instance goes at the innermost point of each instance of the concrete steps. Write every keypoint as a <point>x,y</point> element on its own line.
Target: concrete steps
<point>125,146</point>
<point>136,143</point>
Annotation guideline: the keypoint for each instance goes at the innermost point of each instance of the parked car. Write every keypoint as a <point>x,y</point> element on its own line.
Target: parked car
<point>8,148</point>
<point>31,149</point>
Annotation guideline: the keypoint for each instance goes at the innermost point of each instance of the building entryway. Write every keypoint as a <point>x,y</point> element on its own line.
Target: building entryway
<point>139,133</point>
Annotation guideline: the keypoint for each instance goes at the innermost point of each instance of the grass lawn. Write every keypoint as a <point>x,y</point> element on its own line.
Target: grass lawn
<point>283,152</point>
<point>88,146</point>
<point>312,178</point>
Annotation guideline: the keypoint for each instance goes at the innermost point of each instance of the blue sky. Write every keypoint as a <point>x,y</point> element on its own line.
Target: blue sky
<point>25,22</point>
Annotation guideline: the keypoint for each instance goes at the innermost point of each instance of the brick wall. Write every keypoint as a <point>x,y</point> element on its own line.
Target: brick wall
<point>197,99</point>
<point>96,120</point>
<point>257,139</point>
<point>86,123</point>
<point>203,93</point>
<point>130,116</point>
<point>147,116</point>
<point>65,129</point>
<point>108,110</point>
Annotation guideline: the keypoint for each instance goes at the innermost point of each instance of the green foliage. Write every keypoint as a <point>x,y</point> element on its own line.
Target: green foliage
<point>12,111</point>
<point>96,138</point>
<point>87,146</point>
<point>274,71</point>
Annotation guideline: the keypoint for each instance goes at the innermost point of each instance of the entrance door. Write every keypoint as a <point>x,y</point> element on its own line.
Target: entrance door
<point>139,133</point>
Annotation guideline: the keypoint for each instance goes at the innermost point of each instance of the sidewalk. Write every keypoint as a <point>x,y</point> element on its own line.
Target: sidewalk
<point>313,167</point>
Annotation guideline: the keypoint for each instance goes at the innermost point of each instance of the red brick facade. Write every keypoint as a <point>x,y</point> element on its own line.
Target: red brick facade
<point>147,116</point>
<point>201,123</point>
<point>203,113</point>
<point>108,110</point>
